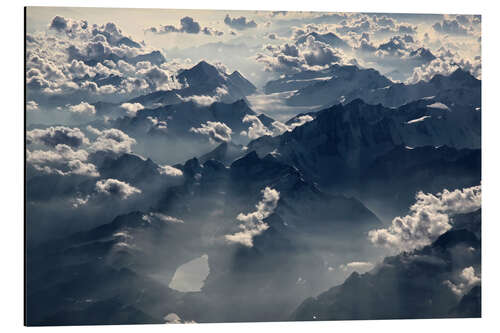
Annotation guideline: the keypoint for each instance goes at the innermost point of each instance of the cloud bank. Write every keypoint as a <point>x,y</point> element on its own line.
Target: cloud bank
<point>239,23</point>
<point>187,25</point>
<point>428,219</point>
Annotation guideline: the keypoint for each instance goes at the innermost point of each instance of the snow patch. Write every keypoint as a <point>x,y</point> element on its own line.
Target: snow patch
<point>438,105</point>
<point>418,120</point>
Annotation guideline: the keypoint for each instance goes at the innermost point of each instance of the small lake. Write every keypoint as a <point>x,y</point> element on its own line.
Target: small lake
<point>191,276</point>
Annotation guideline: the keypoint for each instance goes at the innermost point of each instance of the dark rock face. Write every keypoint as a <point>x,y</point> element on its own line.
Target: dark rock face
<point>357,144</point>
<point>409,285</point>
<point>327,86</point>
<point>349,83</point>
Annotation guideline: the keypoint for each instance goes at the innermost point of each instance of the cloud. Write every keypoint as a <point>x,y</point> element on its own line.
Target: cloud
<point>320,54</point>
<point>280,128</point>
<point>301,121</point>
<point>63,160</point>
<point>384,21</point>
<point>239,23</point>
<point>112,186</point>
<point>279,12</point>
<point>445,64</point>
<point>91,63</point>
<point>151,217</point>
<point>80,201</point>
<point>378,25</point>
<point>211,31</point>
<point>252,224</point>
<point>132,108</point>
<point>68,26</point>
<point>466,281</point>
<point>31,106</point>
<point>170,171</point>
<point>203,100</point>
<point>407,29</point>
<point>158,124</point>
<point>53,136</point>
<point>309,54</point>
<point>397,46</point>
<point>173,318</point>
<point>187,25</point>
<point>358,266</point>
<point>80,29</point>
<point>83,109</point>
<point>272,36</point>
<point>452,27</point>
<point>111,141</point>
<point>256,129</point>
<point>357,26</point>
<point>216,131</point>
<point>428,219</point>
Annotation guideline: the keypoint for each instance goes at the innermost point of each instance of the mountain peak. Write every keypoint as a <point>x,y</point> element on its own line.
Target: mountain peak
<point>355,103</point>
<point>249,158</point>
<point>236,74</point>
<point>460,74</point>
<point>201,69</point>
<point>205,66</point>
<point>241,102</point>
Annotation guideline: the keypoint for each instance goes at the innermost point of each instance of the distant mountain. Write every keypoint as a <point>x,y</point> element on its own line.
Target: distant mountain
<point>226,153</point>
<point>395,177</point>
<point>239,82</point>
<point>203,82</point>
<point>63,191</point>
<point>202,79</point>
<point>181,117</point>
<point>328,38</point>
<point>154,57</point>
<point>130,257</point>
<point>328,85</point>
<point>459,88</point>
<point>248,175</point>
<point>89,276</point>
<point>345,138</point>
<point>409,285</point>
<point>359,148</point>
<point>130,168</point>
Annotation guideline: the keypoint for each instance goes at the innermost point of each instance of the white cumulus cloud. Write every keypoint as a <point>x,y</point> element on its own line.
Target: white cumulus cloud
<point>280,128</point>
<point>215,130</point>
<point>252,224</point>
<point>111,141</point>
<point>52,136</point>
<point>131,108</point>
<point>62,160</point>
<point>466,281</point>
<point>256,129</point>
<point>429,218</point>
<point>168,170</point>
<point>84,109</point>
<point>358,266</point>
<point>112,186</point>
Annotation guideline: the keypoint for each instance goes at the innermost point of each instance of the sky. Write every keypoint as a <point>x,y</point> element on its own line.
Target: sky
<point>252,42</point>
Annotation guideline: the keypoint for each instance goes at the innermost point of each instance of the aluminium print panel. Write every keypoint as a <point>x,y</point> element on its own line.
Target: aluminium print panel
<point>246,166</point>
